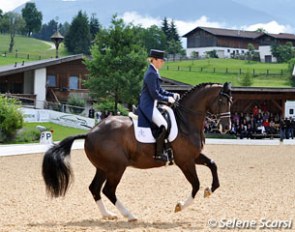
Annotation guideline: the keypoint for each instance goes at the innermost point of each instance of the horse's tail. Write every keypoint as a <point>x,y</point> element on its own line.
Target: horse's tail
<point>56,168</point>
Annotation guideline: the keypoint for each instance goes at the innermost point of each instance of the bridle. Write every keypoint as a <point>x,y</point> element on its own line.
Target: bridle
<point>212,117</point>
<point>218,116</point>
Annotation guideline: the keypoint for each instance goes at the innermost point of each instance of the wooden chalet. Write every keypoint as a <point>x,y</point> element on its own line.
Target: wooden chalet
<point>245,98</point>
<point>40,82</point>
<point>230,43</point>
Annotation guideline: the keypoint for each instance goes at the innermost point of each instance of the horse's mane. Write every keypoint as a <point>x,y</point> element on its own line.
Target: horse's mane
<point>197,88</point>
<point>179,116</point>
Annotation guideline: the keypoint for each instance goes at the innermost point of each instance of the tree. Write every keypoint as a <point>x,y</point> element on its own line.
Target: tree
<point>246,80</point>
<point>47,30</point>
<point>283,53</point>
<point>261,30</point>
<point>165,27</point>
<point>117,64</point>
<point>14,23</point>
<point>153,38</point>
<point>94,26</point>
<point>32,17</point>
<point>173,43</point>
<point>11,118</point>
<point>78,38</point>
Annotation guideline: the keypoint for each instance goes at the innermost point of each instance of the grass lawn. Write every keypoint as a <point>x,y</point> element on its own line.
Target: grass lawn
<point>27,49</point>
<point>59,132</point>
<point>227,70</point>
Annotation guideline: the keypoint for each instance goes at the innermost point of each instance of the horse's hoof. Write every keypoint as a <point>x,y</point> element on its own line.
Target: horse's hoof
<point>207,192</point>
<point>110,217</point>
<point>178,207</point>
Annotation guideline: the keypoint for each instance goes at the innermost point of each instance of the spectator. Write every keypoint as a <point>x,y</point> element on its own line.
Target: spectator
<point>282,129</point>
<point>255,110</point>
<point>287,128</point>
<point>91,112</point>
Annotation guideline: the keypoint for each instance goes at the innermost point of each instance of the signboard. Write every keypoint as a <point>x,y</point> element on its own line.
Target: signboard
<point>71,120</point>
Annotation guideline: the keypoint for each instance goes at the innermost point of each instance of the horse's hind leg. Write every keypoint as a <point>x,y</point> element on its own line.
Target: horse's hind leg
<point>95,189</point>
<point>204,160</point>
<point>109,190</point>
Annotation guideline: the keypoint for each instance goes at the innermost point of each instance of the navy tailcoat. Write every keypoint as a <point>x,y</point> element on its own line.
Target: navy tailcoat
<point>150,92</point>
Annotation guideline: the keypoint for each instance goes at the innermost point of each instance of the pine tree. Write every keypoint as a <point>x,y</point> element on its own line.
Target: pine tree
<point>78,38</point>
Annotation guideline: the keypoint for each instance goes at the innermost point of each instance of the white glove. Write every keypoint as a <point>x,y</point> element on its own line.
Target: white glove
<point>176,96</point>
<point>171,100</point>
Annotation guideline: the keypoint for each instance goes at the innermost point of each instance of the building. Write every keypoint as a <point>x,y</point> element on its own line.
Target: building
<point>38,83</point>
<point>230,43</point>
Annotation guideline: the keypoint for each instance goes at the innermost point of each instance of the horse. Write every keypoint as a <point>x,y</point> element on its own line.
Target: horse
<point>111,147</point>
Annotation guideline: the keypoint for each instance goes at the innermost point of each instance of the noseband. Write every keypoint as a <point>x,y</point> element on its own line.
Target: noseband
<point>217,117</point>
<point>209,116</point>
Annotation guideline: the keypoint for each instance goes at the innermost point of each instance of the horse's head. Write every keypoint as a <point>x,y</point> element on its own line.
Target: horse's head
<point>220,108</point>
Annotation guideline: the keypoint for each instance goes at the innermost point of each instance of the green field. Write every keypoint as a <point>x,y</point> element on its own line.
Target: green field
<point>59,132</point>
<point>27,49</point>
<point>221,70</point>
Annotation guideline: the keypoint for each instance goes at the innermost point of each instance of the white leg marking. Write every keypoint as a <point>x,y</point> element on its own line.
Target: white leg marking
<point>124,211</point>
<point>182,205</point>
<point>104,212</point>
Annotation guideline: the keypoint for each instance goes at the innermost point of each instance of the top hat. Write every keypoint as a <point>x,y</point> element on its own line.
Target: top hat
<point>157,54</point>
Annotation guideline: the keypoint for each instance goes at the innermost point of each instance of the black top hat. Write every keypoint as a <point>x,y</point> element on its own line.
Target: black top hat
<point>157,54</point>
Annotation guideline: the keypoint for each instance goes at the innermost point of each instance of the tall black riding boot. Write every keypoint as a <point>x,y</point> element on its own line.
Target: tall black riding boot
<point>160,145</point>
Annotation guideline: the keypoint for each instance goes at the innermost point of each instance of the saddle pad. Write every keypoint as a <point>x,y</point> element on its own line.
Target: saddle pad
<point>144,134</point>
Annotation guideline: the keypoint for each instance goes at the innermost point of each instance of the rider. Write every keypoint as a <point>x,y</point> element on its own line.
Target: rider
<point>151,93</point>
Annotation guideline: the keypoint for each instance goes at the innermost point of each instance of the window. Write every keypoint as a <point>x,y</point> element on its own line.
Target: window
<point>291,111</point>
<point>51,81</point>
<point>74,81</point>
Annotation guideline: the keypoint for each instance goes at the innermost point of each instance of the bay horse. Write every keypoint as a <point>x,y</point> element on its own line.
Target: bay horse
<point>111,147</point>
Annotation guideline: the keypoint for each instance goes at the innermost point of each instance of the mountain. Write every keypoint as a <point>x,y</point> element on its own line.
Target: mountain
<point>232,13</point>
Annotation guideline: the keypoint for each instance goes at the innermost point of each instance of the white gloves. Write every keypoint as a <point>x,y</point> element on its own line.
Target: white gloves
<point>171,100</point>
<point>176,96</point>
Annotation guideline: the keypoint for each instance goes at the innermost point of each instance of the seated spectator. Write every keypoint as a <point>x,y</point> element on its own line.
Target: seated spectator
<point>255,110</point>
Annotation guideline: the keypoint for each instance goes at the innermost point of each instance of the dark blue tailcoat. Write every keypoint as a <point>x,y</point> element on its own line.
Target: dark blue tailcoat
<point>150,92</point>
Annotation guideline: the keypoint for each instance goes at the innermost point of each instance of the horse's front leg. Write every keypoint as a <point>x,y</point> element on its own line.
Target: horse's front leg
<point>189,170</point>
<point>204,160</point>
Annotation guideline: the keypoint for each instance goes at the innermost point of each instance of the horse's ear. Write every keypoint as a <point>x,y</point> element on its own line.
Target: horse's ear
<point>227,87</point>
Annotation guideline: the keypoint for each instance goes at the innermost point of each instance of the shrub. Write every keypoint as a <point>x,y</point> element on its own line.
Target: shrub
<point>110,106</point>
<point>11,118</point>
<point>76,103</point>
<point>246,80</point>
<point>28,135</point>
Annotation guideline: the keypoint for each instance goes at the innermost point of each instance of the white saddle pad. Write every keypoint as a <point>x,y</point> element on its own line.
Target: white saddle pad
<point>144,134</point>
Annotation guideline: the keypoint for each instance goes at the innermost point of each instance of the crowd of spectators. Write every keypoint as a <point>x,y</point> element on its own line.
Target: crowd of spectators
<point>259,123</point>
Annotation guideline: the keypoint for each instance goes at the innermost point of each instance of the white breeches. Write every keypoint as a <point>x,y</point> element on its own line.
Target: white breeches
<point>158,119</point>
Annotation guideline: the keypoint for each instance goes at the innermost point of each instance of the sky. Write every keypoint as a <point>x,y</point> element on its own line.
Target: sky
<point>182,26</point>
<point>7,5</point>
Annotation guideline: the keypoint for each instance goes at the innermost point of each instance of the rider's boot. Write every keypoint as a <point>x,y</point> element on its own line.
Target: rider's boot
<point>160,145</point>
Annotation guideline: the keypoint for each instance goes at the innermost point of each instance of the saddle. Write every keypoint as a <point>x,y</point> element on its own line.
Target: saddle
<point>148,134</point>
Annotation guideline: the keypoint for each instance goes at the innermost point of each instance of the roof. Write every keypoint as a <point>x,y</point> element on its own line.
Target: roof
<point>227,32</point>
<point>282,36</point>
<point>27,66</point>
<point>240,33</point>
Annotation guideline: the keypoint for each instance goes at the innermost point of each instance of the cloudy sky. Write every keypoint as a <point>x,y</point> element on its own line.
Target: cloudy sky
<point>7,5</point>
<point>182,26</point>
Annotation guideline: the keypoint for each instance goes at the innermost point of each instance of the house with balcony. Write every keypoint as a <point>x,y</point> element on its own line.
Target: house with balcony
<point>41,83</point>
<point>230,43</point>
